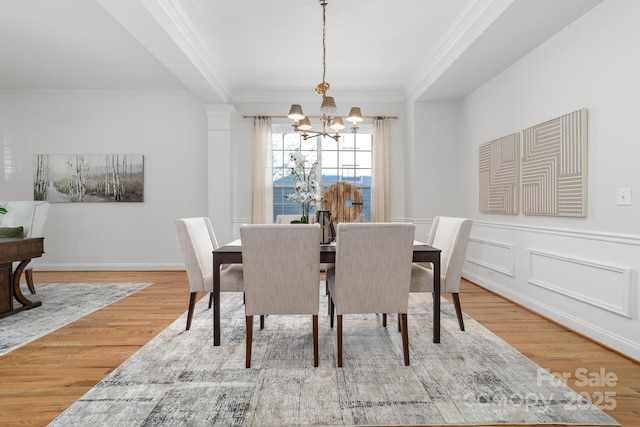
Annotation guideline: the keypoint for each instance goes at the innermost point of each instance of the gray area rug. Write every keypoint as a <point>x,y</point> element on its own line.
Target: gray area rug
<point>62,303</point>
<point>179,378</point>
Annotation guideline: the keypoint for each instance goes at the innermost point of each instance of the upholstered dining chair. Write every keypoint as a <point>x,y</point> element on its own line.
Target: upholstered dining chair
<point>197,242</point>
<point>281,274</point>
<point>451,236</point>
<point>371,273</point>
<point>287,218</point>
<point>31,216</point>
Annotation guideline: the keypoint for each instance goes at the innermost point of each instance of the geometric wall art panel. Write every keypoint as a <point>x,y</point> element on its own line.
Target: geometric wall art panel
<point>554,167</point>
<point>499,172</point>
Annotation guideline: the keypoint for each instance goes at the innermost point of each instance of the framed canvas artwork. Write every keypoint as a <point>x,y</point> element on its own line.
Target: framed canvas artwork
<point>88,177</point>
<point>499,170</point>
<point>554,167</point>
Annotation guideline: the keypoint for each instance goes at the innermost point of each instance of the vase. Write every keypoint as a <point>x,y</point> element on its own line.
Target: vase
<point>306,208</point>
<point>304,218</point>
<point>328,230</point>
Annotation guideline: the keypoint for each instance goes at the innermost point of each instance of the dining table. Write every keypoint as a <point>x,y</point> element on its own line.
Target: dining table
<point>231,253</point>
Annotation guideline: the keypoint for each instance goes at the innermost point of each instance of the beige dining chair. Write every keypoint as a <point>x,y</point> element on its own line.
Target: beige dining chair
<point>281,274</point>
<point>371,273</point>
<point>287,218</point>
<point>197,242</point>
<point>451,236</point>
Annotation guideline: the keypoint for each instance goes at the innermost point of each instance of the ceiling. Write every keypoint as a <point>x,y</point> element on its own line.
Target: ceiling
<point>226,51</point>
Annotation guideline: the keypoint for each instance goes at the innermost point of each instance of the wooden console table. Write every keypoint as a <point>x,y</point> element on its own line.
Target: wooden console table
<point>22,251</point>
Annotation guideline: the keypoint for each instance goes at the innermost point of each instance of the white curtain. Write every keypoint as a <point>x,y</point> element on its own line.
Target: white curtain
<point>262,202</point>
<point>380,209</point>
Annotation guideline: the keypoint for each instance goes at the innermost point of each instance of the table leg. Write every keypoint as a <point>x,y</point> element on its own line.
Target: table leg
<point>216,300</point>
<point>17,293</point>
<point>436,301</point>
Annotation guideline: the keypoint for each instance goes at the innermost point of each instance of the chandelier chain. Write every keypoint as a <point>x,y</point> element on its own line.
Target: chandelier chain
<point>331,123</point>
<point>324,45</point>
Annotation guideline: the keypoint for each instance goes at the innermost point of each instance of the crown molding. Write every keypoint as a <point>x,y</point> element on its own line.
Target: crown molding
<point>175,21</point>
<point>477,16</point>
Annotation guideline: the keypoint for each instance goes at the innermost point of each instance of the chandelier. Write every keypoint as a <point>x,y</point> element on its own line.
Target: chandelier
<point>331,124</point>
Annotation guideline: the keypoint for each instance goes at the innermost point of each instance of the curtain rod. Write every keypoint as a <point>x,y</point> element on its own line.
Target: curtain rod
<point>319,117</point>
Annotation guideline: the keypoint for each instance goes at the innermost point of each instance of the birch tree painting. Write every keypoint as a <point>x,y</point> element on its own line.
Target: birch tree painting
<point>88,178</point>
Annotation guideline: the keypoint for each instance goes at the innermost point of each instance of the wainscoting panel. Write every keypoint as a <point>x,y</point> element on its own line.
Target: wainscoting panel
<point>493,255</point>
<point>586,280</point>
<point>602,285</point>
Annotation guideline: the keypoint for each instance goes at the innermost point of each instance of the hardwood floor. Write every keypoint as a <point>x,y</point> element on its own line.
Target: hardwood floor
<point>40,380</point>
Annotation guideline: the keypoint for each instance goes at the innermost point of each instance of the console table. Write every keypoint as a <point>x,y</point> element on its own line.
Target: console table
<point>21,251</point>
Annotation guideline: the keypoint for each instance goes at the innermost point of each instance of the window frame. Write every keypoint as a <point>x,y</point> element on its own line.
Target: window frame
<point>281,164</point>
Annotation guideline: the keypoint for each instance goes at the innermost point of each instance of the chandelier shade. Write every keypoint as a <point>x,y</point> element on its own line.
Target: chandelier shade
<point>295,112</point>
<point>305,124</point>
<point>337,124</point>
<point>328,107</point>
<point>355,115</point>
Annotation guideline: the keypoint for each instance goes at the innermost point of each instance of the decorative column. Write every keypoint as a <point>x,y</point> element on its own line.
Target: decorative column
<point>219,118</point>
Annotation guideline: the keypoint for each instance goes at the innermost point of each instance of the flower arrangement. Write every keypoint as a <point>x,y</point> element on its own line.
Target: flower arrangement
<point>306,185</point>
<point>3,210</point>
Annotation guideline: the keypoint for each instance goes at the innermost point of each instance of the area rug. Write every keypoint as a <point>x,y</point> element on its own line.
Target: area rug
<point>473,377</point>
<point>62,303</point>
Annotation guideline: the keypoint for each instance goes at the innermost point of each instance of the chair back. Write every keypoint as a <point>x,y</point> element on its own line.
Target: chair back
<point>197,242</point>
<point>373,267</point>
<point>451,236</point>
<point>281,266</point>
<point>286,219</point>
<point>30,215</point>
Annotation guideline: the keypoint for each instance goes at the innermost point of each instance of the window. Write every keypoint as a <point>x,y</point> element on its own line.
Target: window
<point>348,159</point>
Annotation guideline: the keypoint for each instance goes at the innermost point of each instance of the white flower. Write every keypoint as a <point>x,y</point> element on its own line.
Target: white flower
<point>307,188</point>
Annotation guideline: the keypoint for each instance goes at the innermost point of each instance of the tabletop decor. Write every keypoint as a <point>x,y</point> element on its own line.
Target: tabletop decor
<point>305,184</point>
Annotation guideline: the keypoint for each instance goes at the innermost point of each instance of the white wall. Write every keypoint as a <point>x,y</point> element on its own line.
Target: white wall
<point>169,129</point>
<point>581,272</point>
<point>435,158</point>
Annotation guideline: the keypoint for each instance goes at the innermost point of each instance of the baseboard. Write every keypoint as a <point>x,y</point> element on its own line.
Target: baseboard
<point>109,267</point>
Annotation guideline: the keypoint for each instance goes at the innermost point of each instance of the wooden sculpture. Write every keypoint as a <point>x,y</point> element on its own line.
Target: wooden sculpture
<point>344,201</point>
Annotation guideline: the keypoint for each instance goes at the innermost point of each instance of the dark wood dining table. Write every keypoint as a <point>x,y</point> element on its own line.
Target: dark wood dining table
<point>232,254</point>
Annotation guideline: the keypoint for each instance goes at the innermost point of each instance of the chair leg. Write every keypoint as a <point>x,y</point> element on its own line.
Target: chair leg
<point>399,323</point>
<point>210,300</point>
<point>405,339</point>
<point>384,320</point>
<point>456,303</point>
<point>192,304</point>
<point>315,340</point>
<point>339,333</point>
<point>262,321</point>
<point>28,274</point>
<point>249,327</point>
